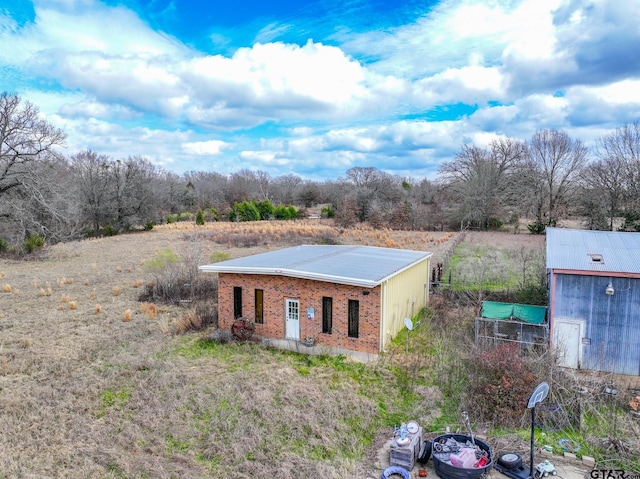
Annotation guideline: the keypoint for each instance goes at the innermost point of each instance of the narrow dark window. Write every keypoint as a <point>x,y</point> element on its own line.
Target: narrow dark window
<point>354,318</point>
<point>258,306</point>
<point>327,314</point>
<point>237,301</point>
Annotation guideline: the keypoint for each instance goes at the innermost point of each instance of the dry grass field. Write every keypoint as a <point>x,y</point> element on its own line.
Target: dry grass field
<point>95,384</point>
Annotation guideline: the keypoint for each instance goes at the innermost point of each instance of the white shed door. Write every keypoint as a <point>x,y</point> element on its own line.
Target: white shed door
<point>568,338</point>
<point>292,319</point>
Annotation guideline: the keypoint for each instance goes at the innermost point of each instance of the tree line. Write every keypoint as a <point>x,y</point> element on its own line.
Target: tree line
<point>547,178</point>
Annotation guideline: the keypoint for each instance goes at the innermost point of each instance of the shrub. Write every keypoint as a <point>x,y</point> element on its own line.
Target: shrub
<point>188,321</point>
<point>211,214</point>
<point>200,218</point>
<point>500,385</point>
<point>109,231</point>
<point>631,221</point>
<point>4,246</point>
<point>148,226</point>
<point>327,212</point>
<point>33,242</point>
<point>533,294</point>
<point>494,223</point>
<point>172,285</point>
<point>266,209</point>
<point>245,211</point>
<point>176,217</point>
<point>536,228</point>
<point>164,258</point>
<point>283,212</point>
<point>200,317</point>
<point>293,212</point>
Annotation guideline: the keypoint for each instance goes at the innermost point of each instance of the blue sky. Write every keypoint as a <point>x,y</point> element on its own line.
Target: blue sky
<point>315,88</point>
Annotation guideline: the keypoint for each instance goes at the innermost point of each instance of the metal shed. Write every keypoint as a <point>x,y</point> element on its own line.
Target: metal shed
<point>594,299</point>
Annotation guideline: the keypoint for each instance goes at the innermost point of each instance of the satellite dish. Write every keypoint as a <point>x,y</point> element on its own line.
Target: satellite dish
<point>408,323</point>
<point>538,394</point>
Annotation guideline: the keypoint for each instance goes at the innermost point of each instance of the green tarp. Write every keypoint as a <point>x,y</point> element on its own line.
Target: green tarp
<point>524,312</point>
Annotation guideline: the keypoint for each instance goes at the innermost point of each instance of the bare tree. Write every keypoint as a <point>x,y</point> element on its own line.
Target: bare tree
<point>555,163</point>
<point>120,194</point>
<point>24,138</point>
<point>44,203</point>
<point>603,189</point>
<point>619,153</point>
<point>247,185</point>
<point>170,193</point>
<point>263,182</point>
<point>284,189</point>
<point>131,192</point>
<point>372,190</point>
<point>93,182</point>
<point>27,153</point>
<point>592,208</point>
<point>481,179</point>
<point>205,189</point>
<point>426,196</point>
<point>309,194</point>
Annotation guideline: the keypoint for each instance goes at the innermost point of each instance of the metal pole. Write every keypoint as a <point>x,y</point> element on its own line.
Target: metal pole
<point>533,421</point>
<point>407,346</point>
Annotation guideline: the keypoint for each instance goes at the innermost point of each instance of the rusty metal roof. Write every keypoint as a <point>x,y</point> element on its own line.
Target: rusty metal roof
<point>595,251</point>
<point>366,266</point>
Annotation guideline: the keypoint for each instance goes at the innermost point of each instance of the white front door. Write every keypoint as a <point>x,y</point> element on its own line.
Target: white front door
<point>568,339</point>
<point>292,319</point>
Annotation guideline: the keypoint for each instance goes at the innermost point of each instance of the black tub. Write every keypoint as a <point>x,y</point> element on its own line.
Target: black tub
<point>447,471</point>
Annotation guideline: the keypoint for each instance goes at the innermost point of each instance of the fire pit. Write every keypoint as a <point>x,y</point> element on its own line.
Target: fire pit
<point>449,446</point>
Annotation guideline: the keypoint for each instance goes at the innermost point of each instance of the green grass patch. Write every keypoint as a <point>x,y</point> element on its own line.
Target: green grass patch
<point>493,269</point>
<point>113,399</point>
<point>218,256</point>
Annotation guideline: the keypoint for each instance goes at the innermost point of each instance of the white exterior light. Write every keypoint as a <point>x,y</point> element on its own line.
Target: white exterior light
<point>609,291</point>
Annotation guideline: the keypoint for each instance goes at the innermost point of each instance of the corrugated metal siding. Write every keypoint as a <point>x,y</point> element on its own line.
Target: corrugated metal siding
<point>612,323</point>
<point>406,294</point>
<point>570,249</point>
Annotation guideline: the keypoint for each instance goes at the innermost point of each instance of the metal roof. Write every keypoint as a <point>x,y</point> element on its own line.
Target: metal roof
<point>588,250</point>
<point>366,266</point>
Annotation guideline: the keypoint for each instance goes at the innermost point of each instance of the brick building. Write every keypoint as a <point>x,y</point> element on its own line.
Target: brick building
<point>347,298</point>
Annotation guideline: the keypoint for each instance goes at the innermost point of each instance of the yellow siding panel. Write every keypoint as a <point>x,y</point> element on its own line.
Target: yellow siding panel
<point>403,296</point>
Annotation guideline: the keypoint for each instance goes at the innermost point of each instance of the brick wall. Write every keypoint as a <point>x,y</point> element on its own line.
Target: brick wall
<point>279,288</point>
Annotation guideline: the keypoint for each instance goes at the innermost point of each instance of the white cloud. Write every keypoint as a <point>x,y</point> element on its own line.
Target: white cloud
<point>265,158</point>
<point>278,74</point>
<point>202,148</point>
<point>619,93</point>
<point>93,109</point>
<point>328,103</point>
<point>471,84</point>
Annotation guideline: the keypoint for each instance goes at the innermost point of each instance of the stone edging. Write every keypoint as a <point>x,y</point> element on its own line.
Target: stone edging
<point>572,458</point>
